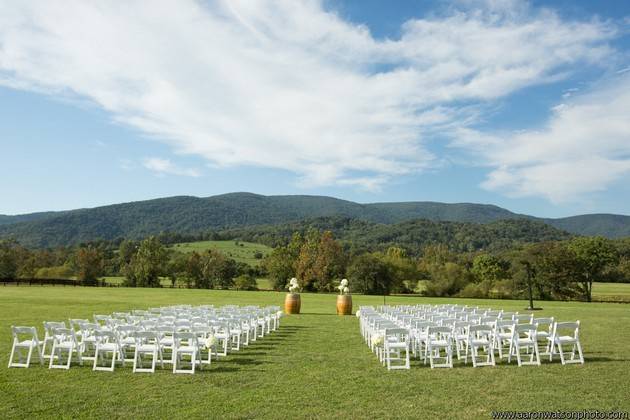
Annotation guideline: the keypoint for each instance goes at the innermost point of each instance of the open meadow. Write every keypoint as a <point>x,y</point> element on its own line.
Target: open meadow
<point>316,365</point>
<point>240,251</point>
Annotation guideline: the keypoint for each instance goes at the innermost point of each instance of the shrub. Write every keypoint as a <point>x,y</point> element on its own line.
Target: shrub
<point>245,282</point>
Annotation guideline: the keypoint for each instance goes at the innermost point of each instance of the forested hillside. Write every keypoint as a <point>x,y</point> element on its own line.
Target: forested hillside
<point>188,215</point>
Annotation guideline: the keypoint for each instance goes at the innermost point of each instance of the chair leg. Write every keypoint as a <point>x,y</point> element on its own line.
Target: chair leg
<point>561,353</point>
<point>579,348</point>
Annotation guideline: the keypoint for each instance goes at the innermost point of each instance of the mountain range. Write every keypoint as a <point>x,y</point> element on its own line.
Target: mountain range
<point>186,214</point>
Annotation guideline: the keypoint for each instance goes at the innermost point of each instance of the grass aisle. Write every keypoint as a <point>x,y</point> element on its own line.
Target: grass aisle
<point>316,365</point>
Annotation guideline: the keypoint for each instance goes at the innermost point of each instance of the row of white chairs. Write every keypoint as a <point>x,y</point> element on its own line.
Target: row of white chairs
<point>189,335</point>
<point>435,333</point>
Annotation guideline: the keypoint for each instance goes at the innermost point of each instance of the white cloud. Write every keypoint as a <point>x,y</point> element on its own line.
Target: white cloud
<point>165,167</point>
<point>287,84</point>
<point>584,148</point>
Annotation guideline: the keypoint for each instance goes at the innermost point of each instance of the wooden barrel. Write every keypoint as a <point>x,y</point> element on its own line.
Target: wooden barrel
<point>292,303</point>
<point>344,305</point>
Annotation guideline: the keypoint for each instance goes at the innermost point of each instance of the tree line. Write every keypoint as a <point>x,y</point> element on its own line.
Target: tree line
<point>555,269</point>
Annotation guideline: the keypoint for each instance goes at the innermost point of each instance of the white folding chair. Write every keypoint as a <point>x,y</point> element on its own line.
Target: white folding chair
<point>147,343</point>
<point>480,337</point>
<point>127,340</point>
<point>460,337</point>
<point>439,339</point>
<point>48,335</point>
<point>106,343</point>
<point>24,339</point>
<point>64,340</point>
<point>572,339</point>
<point>503,333</point>
<point>524,337</point>
<point>87,341</point>
<point>544,334</point>
<point>396,342</point>
<point>185,344</point>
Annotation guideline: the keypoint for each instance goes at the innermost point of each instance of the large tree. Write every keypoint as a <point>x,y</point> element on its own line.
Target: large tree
<point>330,263</point>
<point>88,263</point>
<point>370,274</point>
<point>8,259</point>
<point>147,264</point>
<point>592,256</point>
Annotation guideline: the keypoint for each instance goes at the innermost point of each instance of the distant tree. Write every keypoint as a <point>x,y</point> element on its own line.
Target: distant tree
<point>217,270</point>
<point>148,264</point>
<point>245,282</point>
<point>88,264</point>
<point>592,256</point>
<point>552,268</point>
<point>280,267</point>
<point>330,263</point>
<point>194,273</point>
<point>369,274</point>
<point>305,266</point>
<point>403,268</point>
<point>8,259</point>
<point>176,267</point>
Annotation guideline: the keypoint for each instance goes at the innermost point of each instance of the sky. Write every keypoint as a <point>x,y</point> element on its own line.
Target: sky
<point>525,105</point>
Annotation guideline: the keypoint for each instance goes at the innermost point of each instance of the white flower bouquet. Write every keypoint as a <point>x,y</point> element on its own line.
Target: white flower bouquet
<point>359,313</point>
<point>294,286</point>
<point>343,287</point>
<point>378,340</point>
<point>211,341</point>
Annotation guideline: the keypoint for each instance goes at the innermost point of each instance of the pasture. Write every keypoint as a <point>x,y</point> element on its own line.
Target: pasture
<point>238,250</point>
<point>315,366</point>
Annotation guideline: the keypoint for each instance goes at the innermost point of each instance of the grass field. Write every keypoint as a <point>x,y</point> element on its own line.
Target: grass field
<point>240,251</point>
<point>611,291</point>
<point>315,366</point>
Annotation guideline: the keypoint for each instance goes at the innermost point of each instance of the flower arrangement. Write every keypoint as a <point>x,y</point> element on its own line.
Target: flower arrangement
<point>358,313</point>
<point>279,314</point>
<point>211,341</point>
<point>343,287</point>
<point>378,340</point>
<point>294,286</point>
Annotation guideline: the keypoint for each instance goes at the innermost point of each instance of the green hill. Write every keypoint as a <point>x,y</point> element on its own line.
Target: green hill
<point>186,214</point>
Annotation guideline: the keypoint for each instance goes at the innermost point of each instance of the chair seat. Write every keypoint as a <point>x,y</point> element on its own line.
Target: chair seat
<point>108,347</point>
<point>524,341</point>
<point>65,344</point>
<point>439,343</point>
<point>147,348</point>
<point>565,339</point>
<point>26,343</point>
<point>128,340</point>
<point>186,349</point>
<point>480,342</point>
<point>396,345</point>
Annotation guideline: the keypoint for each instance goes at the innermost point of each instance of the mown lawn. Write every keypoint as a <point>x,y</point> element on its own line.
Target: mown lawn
<point>315,366</point>
<point>611,291</point>
<point>238,250</point>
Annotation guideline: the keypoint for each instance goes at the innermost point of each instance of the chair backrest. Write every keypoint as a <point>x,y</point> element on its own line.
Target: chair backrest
<point>544,323</point>
<point>64,335</point>
<point>102,336</point>
<point>523,318</point>
<point>561,327</point>
<point>49,325</point>
<point>480,331</point>
<point>144,337</point>
<point>528,330</point>
<point>440,332</point>
<point>24,333</point>
<point>187,336</point>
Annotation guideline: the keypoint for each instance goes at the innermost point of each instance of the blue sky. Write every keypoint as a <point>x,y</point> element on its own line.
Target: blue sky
<point>522,105</point>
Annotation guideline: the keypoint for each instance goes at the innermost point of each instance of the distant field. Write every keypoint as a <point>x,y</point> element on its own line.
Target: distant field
<point>315,366</point>
<point>240,251</point>
<point>611,291</point>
